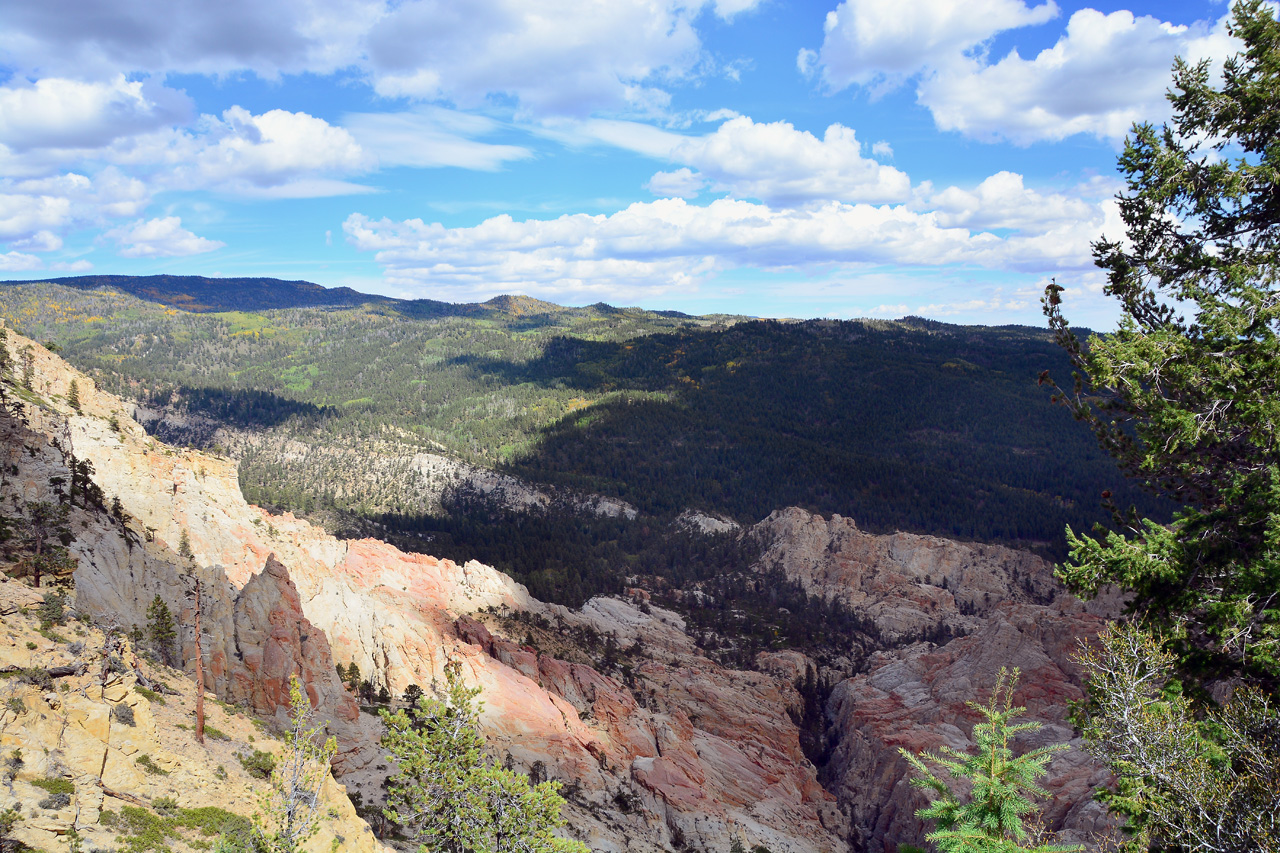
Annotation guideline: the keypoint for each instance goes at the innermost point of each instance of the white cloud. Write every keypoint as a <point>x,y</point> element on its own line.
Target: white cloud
<point>882,149</point>
<point>1003,202</point>
<point>18,262</point>
<point>728,8</point>
<point>159,238</point>
<point>879,43</point>
<point>669,246</point>
<point>23,215</point>
<point>74,266</point>
<point>428,137</point>
<point>1105,73</point>
<point>41,241</point>
<point>246,152</point>
<point>60,113</point>
<point>780,165</point>
<point>556,57</point>
<point>682,183</point>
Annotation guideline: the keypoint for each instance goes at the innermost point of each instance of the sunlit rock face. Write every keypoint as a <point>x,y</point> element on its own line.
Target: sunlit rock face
<point>682,751</point>
<point>688,753</point>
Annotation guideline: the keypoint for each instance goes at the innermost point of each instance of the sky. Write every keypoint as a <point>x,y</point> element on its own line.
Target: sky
<point>868,158</point>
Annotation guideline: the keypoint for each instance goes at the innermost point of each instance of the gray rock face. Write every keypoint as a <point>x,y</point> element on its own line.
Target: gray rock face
<point>1011,613</point>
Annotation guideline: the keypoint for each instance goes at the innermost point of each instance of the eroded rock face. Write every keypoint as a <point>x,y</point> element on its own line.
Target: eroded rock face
<point>688,753</point>
<point>682,750</point>
<point>916,699</point>
<point>907,584</point>
<point>117,748</point>
<point>1012,615</point>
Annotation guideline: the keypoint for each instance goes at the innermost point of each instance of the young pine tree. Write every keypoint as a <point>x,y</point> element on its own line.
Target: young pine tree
<point>990,818</point>
<point>289,813</point>
<point>453,798</point>
<point>161,631</point>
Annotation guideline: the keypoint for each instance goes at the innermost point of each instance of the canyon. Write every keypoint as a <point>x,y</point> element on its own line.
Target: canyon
<point>671,750</point>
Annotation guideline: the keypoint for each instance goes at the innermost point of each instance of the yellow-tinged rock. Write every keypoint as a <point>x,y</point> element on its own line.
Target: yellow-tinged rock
<point>121,773</point>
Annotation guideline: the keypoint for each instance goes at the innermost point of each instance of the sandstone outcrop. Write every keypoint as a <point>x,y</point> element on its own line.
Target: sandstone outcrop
<point>648,765</point>
<point>113,747</point>
<point>672,749</point>
<point>1010,613</point>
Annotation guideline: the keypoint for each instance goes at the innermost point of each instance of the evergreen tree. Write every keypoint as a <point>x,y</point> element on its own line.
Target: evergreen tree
<point>73,396</point>
<point>44,529</point>
<point>161,631</point>
<point>450,796</point>
<point>990,818</point>
<point>1186,393</point>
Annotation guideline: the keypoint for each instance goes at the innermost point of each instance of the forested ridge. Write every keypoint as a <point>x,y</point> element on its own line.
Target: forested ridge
<point>909,425</point>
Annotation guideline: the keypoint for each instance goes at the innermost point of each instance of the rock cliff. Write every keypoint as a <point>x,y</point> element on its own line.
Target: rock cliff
<point>670,750</point>
<point>82,746</point>
<point>689,753</point>
<point>1008,611</point>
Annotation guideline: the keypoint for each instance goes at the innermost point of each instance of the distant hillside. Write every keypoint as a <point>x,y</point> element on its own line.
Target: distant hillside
<point>363,414</point>
<point>202,295</point>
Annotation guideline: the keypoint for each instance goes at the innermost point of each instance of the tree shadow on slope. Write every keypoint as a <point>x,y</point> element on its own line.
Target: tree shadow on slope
<point>932,432</point>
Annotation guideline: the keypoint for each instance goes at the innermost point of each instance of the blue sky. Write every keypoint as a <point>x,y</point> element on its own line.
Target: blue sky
<point>866,158</point>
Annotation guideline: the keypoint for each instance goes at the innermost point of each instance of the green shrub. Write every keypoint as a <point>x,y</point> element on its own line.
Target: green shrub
<point>144,761</point>
<point>216,733</point>
<point>165,806</point>
<point>211,820</point>
<point>259,765</point>
<point>148,694</point>
<point>55,785</point>
<point>52,610</point>
<point>143,831</point>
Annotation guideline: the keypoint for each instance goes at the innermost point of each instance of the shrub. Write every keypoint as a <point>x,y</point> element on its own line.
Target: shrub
<point>54,802</point>
<point>122,713</point>
<point>55,785</point>
<point>144,761</point>
<point>148,694</point>
<point>52,610</point>
<point>215,733</point>
<point>260,765</point>
<point>165,806</point>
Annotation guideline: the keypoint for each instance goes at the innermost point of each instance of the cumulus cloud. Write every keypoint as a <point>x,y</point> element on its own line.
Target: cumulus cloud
<point>159,238</point>
<point>780,165</point>
<point>41,241</point>
<point>1105,73</point>
<point>1003,202</point>
<point>871,42</point>
<point>682,183</point>
<point>670,245</point>
<point>24,214</point>
<point>245,152</point>
<point>60,113</point>
<point>19,262</point>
